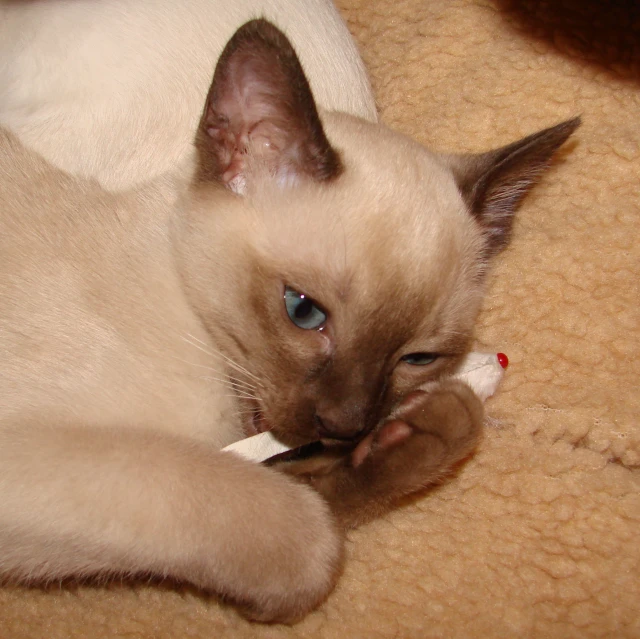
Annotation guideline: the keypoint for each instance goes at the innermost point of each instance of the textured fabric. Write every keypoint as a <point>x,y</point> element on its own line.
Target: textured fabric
<point>539,534</point>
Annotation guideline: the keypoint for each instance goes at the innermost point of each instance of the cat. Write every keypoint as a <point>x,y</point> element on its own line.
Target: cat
<point>317,275</point>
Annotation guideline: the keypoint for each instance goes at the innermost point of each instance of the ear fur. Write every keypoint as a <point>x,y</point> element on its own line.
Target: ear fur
<point>260,110</point>
<point>493,184</point>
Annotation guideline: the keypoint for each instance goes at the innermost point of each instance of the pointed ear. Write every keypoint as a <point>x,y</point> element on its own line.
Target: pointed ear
<point>260,112</point>
<point>493,184</point>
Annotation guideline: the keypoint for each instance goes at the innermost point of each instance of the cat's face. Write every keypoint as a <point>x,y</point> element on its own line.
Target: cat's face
<point>389,263</point>
<point>348,271</point>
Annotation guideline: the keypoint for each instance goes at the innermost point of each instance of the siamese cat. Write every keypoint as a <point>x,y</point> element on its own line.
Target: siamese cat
<point>316,275</point>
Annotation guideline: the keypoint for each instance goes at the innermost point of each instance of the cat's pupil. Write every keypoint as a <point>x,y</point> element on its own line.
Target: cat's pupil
<point>420,359</point>
<point>304,308</point>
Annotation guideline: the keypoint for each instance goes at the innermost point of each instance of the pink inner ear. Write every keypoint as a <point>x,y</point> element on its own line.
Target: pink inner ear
<point>252,119</point>
<point>231,148</point>
<point>236,145</point>
<point>260,107</point>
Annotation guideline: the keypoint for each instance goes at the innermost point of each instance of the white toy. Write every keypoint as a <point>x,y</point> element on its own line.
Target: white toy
<point>482,371</point>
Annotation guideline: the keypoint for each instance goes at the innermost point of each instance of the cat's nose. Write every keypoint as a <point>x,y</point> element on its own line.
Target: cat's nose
<point>338,426</point>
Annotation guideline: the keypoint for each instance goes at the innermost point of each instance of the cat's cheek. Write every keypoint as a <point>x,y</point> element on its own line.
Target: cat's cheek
<point>326,342</point>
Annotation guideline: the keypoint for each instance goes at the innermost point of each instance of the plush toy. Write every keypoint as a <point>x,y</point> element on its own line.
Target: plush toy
<point>482,371</point>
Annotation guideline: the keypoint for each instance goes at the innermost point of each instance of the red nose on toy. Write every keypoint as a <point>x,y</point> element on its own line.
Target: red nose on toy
<point>503,360</point>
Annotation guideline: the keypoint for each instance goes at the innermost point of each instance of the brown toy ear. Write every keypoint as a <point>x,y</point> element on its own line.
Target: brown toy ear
<point>493,184</point>
<point>260,111</point>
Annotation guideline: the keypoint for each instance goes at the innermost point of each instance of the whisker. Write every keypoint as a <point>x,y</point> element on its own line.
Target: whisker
<point>231,362</point>
<point>243,415</point>
<point>207,349</point>
<point>240,369</point>
<point>231,381</point>
<point>196,339</point>
<point>202,348</point>
<point>226,382</point>
<point>235,383</point>
<point>240,396</point>
<point>241,382</point>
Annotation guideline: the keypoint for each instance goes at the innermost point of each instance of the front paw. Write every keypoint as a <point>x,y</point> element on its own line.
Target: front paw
<point>424,438</point>
<point>427,434</point>
<point>294,557</point>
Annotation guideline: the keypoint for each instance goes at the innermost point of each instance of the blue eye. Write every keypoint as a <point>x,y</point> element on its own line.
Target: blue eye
<point>302,310</point>
<point>420,359</point>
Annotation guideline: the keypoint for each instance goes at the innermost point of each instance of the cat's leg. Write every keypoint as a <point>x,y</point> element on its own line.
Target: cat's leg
<point>78,502</point>
<point>425,437</point>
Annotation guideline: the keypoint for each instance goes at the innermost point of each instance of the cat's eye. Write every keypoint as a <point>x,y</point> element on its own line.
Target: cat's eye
<point>420,359</point>
<point>302,310</point>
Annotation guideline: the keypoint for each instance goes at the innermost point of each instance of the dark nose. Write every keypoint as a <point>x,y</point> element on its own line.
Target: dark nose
<point>340,425</point>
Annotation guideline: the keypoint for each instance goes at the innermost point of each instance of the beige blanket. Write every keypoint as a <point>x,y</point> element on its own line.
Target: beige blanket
<point>539,534</point>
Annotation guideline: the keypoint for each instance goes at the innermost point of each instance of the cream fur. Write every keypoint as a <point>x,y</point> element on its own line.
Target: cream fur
<point>111,414</point>
<point>145,330</point>
<point>114,90</point>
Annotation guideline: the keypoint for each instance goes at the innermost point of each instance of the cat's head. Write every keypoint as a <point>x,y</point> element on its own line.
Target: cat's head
<point>339,263</point>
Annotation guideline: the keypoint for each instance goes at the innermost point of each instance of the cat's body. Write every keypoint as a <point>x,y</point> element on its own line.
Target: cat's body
<point>79,77</point>
<point>313,276</point>
<point>110,403</point>
<point>76,261</point>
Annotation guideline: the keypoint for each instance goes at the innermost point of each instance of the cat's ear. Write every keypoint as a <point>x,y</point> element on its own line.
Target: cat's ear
<point>493,184</point>
<point>260,112</point>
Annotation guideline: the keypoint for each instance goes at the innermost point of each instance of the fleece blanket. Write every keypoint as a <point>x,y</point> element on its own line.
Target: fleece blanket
<point>538,535</point>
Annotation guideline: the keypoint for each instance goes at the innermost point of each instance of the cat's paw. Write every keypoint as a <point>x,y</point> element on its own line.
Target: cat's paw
<point>428,433</point>
<point>294,556</point>
<point>424,438</point>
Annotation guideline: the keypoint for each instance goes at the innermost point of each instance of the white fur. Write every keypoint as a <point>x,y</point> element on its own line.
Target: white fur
<point>114,89</point>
